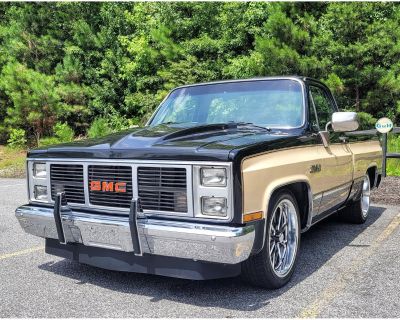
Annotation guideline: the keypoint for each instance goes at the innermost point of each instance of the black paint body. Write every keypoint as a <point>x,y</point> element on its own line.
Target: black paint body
<point>188,142</point>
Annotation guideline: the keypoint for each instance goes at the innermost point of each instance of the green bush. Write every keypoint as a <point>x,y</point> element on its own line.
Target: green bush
<point>367,121</point>
<point>43,142</point>
<point>118,123</point>
<point>99,128</point>
<point>63,132</point>
<point>17,139</point>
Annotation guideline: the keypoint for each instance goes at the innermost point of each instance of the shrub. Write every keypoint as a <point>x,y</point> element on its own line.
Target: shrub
<point>48,141</point>
<point>118,123</point>
<point>100,127</point>
<point>367,121</point>
<point>17,139</point>
<point>63,132</point>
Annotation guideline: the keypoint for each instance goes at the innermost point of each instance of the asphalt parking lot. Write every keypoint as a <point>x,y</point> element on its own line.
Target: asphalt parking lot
<point>343,271</point>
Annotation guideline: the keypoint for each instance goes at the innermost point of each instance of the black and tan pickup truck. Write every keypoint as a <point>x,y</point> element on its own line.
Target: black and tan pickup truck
<point>221,181</point>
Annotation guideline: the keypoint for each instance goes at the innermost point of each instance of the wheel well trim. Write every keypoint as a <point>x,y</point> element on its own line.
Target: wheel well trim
<point>375,167</point>
<point>281,186</point>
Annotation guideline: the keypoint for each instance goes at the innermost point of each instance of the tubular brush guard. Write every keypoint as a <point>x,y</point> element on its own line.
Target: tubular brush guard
<point>133,225</point>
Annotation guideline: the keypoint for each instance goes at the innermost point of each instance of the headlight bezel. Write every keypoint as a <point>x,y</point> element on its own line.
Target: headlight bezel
<point>38,180</point>
<point>216,191</point>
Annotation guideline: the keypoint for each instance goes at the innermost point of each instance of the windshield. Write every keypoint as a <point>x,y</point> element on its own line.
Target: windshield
<point>269,103</point>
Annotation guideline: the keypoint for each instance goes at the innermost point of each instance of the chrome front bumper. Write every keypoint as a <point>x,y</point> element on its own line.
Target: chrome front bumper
<point>195,241</point>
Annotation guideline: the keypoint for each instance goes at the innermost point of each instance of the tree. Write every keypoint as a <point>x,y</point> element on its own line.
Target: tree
<point>76,62</point>
<point>34,100</point>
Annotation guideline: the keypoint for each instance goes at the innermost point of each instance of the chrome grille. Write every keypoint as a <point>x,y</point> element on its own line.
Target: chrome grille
<point>162,188</point>
<point>110,175</point>
<point>69,179</point>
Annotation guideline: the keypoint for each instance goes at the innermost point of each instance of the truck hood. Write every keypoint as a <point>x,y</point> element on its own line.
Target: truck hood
<point>219,142</point>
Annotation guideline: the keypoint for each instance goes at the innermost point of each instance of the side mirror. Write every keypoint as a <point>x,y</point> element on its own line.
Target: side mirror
<point>344,121</point>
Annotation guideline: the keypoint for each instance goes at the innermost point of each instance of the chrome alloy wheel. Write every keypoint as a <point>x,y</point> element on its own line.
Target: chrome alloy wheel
<point>283,237</point>
<point>365,193</point>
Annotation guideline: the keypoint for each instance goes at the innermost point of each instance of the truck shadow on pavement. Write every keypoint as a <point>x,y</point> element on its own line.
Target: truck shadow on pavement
<point>318,245</point>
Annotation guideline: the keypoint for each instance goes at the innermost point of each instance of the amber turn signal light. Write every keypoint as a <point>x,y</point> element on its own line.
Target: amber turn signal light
<point>252,216</point>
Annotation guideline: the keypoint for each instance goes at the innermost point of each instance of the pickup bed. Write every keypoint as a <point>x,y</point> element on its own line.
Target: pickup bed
<point>222,180</point>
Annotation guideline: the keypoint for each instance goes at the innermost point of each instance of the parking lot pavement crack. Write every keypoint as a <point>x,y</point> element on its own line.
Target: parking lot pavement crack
<point>346,276</point>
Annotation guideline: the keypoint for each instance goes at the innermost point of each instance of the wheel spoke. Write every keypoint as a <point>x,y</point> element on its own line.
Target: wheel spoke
<point>279,258</point>
<point>283,256</point>
<point>273,231</point>
<point>283,233</point>
<point>278,225</point>
<point>273,255</point>
<point>272,247</point>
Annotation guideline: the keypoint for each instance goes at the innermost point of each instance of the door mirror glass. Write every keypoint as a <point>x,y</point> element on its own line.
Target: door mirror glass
<point>344,121</point>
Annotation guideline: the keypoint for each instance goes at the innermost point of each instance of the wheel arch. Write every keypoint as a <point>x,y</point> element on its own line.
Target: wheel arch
<point>301,190</point>
<point>372,174</point>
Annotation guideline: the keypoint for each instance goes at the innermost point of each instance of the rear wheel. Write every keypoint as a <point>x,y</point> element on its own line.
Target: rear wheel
<point>273,266</point>
<point>357,212</point>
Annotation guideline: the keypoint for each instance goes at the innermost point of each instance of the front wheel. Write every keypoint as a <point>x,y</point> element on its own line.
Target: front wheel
<point>273,266</point>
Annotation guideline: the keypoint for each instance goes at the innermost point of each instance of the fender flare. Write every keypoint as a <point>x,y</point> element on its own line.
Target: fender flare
<point>270,192</point>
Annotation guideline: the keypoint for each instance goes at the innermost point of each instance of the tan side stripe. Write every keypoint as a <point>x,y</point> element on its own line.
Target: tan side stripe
<point>20,253</point>
<point>331,292</point>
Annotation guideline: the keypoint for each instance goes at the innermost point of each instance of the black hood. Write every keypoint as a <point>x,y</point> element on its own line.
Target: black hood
<point>219,142</point>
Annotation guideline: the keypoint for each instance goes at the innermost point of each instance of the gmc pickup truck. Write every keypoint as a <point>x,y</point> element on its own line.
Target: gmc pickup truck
<point>221,181</point>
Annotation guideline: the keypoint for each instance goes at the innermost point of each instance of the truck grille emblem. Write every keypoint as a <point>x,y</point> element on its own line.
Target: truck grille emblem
<point>107,186</point>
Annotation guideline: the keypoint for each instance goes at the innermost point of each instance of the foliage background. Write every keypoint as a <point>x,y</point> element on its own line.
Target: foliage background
<point>74,64</point>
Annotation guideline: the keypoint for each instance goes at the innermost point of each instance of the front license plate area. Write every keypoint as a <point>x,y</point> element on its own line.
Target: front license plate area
<point>106,236</point>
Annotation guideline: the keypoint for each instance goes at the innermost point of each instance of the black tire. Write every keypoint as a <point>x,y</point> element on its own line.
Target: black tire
<point>258,269</point>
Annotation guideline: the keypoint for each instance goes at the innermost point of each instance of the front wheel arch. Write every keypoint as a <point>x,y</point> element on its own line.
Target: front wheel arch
<point>301,190</point>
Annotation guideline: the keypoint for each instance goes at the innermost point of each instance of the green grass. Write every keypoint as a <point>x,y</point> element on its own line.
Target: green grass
<point>12,163</point>
<point>393,165</point>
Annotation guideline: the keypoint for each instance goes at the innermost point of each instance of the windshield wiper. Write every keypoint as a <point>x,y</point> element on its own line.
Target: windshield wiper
<point>232,124</point>
<point>171,122</point>
<point>250,125</point>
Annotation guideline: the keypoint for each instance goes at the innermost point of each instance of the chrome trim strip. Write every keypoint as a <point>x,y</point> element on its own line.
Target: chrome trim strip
<point>132,161</point>
<point>85,185</point>
<point>213,243</point>
<point>334,197</point>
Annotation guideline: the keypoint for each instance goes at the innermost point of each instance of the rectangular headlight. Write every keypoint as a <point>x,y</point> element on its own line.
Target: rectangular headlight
<point>40,193</point>
<point>39,170</point>
<point>214,206</point>
<point>213,177</point>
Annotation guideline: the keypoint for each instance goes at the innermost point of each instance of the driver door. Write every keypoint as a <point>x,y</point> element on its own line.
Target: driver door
<point>337,166</point>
